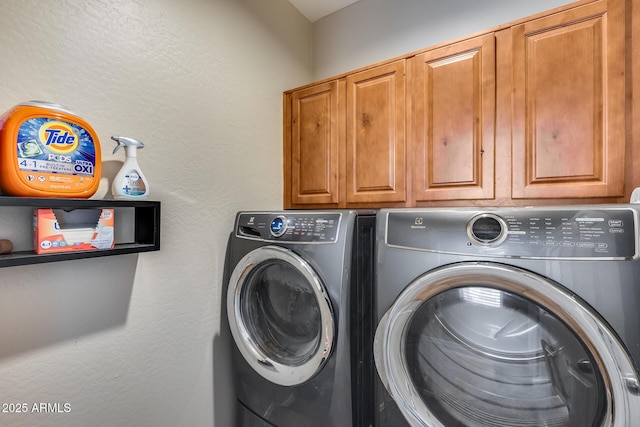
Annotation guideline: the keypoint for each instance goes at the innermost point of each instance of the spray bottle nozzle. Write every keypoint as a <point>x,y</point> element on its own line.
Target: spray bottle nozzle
<point>125,141</point>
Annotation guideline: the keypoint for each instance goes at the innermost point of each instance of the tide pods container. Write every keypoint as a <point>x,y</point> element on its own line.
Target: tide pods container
<point>47,151</point>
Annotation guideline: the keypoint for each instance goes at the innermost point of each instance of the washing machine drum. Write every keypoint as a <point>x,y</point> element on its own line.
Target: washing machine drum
<point>480,344</point>
<point>280,315</point>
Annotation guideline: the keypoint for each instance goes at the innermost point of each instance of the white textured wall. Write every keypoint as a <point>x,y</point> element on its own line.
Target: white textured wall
<point>133,340</point>
<point>370,31</point>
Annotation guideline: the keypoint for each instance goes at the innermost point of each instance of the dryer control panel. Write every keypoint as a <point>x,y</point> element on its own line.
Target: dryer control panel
<point>561,233</point>
<point>292,227</point>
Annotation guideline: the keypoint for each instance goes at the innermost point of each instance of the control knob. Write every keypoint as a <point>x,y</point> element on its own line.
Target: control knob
<point>487,229</point>
<point>278,226</point>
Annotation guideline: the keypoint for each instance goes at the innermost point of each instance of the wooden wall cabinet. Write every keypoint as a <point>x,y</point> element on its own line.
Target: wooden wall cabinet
<point>569,104</point>
<point>531,112</point>
<point>375,156</point>
<point>452,129</point>
<point>311,151</point>
<point>345,141</point>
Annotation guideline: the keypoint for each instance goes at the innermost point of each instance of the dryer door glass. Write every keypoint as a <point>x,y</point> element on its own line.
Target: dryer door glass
<point>280,315</point>
<point>485,357</point>
<point>484,344</point>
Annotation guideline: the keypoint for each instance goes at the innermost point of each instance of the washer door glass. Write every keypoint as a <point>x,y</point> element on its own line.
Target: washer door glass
<point>489,345</point>
<point>280,315</point>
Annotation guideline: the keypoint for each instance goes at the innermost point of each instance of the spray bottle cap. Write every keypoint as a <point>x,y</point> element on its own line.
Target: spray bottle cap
<point>125,141</point>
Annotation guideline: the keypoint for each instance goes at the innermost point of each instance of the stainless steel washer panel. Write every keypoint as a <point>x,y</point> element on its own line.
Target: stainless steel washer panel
<point>337,247</point>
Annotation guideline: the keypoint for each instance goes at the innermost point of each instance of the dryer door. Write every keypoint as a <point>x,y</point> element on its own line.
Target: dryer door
<point>483,344</point>
<point>280,315</point>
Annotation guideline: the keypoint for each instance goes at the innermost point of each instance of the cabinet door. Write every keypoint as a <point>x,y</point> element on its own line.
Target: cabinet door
<point>375,142</point>
<point>311,157</point>
<point>452,129</point>
<point>568,105</point>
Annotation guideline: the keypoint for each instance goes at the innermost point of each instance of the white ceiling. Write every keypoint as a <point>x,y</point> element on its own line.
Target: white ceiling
<point>316,9</point>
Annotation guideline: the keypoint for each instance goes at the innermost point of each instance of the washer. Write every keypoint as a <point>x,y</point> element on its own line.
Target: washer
<point>508,316</point>
<point>296,305</point>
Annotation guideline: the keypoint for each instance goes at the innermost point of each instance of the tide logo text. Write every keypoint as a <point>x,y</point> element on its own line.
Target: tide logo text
<point>55,136</point>
<point>59,137</point>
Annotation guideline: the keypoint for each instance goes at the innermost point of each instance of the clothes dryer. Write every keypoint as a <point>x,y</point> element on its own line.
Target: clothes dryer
<point>508,316</point>
<point>296,302</point>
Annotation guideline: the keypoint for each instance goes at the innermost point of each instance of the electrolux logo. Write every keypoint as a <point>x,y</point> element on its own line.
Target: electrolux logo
<point>418,223</point>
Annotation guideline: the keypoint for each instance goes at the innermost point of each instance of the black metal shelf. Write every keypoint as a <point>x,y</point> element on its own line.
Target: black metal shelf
<point>146,234</point>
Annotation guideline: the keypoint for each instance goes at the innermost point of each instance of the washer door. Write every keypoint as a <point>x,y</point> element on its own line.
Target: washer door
<point>483,344</point>
<point>280,315</point>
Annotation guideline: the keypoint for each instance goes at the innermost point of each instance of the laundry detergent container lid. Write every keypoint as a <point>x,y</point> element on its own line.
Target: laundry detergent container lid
<point>47,151</point>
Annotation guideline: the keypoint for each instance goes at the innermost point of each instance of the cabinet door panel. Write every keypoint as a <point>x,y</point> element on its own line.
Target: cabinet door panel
<point>314,145</point>
<point>453,121</point>
<point>568,102</point>
<point>375,170</point>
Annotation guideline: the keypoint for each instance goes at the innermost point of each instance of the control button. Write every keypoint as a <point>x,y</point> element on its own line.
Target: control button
<point>588,245</point>
<point>278,226</point>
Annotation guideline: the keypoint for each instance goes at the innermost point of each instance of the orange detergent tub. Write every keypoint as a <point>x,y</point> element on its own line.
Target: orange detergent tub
<point>47,151</point>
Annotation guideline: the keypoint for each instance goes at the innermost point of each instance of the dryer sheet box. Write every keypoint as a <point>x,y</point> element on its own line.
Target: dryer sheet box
<point>59,230</point>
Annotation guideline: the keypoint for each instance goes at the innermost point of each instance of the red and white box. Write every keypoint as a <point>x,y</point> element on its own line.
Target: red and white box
<point>59,230</point>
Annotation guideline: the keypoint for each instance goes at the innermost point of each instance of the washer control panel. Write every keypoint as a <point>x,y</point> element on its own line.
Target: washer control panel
<point>587,232</point>
<point>295,227</point>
